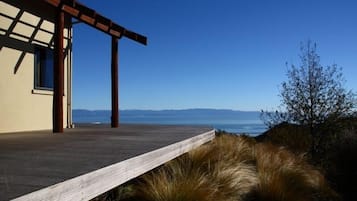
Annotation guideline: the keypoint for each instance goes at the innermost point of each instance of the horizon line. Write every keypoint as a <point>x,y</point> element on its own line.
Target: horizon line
<point>237,110</point>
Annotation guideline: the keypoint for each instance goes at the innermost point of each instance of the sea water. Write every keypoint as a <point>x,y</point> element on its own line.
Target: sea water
<point>233,122</point>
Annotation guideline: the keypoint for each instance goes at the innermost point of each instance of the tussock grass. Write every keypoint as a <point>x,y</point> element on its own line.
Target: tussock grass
<point>285,176</point>
<point>220,171</point>
<point>176,181</point>
<point>234,168</point>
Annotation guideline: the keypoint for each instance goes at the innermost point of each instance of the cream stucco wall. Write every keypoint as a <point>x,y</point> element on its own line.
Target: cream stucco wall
<point>21,107</point>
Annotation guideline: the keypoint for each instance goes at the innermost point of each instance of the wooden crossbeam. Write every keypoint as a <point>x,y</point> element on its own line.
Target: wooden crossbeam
<point>96,20</point>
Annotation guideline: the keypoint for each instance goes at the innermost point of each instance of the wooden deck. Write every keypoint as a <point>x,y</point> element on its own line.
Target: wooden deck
<point>87,161</point>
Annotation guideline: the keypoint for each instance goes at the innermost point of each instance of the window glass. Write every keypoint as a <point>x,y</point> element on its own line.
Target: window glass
<point>43,68</point>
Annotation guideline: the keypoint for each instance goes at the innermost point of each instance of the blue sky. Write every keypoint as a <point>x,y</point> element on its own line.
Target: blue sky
<point>219,54</point>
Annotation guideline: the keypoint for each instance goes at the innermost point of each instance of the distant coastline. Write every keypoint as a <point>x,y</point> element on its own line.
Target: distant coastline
<point>234,121</point>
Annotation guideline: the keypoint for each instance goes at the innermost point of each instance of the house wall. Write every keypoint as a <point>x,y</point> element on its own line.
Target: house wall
<point>24,24</point>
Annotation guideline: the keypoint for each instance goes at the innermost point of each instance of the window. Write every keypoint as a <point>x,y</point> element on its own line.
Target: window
<point>43,68</point>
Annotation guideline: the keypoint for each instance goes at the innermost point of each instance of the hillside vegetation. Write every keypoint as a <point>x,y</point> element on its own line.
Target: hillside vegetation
<point>337,153</point>
<point>230,168</point>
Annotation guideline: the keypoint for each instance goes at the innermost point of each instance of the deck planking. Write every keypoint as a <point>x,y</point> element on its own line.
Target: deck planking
<point>42,165</point>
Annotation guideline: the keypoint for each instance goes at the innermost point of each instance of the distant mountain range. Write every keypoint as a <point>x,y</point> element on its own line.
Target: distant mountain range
<point>228,120</point>
<point>220,113</point>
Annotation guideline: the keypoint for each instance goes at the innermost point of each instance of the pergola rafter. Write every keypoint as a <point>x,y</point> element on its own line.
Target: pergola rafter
<point>92,18</point>
<point>96,20</point>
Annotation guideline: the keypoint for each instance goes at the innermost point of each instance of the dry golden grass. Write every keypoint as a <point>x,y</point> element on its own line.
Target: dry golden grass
<point>176,181</point>
<point>221,170</point>
<point>235,168</point>
<point>285,176</point>
<point>234,183</point>
<point>228,163</point>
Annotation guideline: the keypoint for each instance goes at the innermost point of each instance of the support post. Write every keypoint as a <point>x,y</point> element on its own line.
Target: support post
<point>58,74</point>
<point>114,75</point>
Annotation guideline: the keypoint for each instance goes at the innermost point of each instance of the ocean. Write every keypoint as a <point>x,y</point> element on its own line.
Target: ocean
<point>228,120</point>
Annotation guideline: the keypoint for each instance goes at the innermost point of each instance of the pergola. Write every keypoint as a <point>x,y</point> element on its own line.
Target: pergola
<point>92,18</point>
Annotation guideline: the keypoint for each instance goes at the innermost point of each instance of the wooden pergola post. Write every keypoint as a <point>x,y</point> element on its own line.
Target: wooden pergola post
<point>114,72</point>
<point>73,8</point>
<point>58,73</point>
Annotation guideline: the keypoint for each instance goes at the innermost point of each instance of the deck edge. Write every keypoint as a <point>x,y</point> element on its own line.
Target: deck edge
<point>92,184</point>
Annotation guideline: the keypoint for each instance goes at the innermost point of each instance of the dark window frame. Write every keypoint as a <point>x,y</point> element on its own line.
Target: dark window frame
<point>43,68</point>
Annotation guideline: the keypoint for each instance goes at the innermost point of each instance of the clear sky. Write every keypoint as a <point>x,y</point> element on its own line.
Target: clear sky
<point>219,54</point>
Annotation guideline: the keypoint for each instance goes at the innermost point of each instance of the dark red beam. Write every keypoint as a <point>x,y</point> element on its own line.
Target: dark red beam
<point>94,19</point>
<point>115,96</point>
<point>58,75</point>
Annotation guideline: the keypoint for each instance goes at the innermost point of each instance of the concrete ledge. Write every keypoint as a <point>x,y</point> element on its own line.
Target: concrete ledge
<point>42,92</point>
<point>92,184</point>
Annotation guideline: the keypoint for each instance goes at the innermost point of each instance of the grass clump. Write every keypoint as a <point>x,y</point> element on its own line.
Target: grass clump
<point>216,171</point>
<point>285,176</point>
<point>176,181</point>
<point>233,168</point>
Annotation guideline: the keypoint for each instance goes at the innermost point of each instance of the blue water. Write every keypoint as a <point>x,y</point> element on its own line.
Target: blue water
<point>227,120</point>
